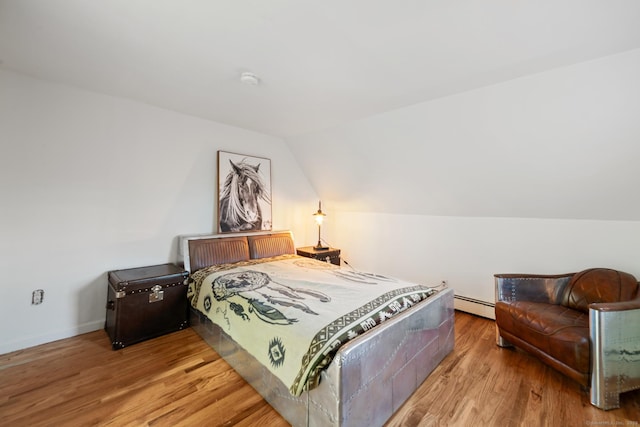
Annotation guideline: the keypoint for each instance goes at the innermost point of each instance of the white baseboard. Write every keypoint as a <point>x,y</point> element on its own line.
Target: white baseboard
<point>474,306</point>
<point>32,341</point>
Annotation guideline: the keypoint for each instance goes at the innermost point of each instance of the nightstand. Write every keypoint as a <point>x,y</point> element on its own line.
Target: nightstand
<point>145,302</point>
<point>331,255</point>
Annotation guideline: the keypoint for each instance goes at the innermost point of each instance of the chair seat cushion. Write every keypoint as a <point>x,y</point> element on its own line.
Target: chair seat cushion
<point>558,331</point>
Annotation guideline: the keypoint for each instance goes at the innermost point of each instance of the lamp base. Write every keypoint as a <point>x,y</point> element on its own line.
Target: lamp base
<point>319,247</point>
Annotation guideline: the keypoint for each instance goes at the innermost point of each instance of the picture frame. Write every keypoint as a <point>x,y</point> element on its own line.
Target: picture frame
<point>244,193</point>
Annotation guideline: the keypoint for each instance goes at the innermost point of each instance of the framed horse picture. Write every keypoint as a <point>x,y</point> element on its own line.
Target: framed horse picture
<point>244,193</point>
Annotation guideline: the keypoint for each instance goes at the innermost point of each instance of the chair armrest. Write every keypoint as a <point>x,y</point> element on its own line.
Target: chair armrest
<point>547,288</point>
<point>633,304</point>
<point>615,361</point>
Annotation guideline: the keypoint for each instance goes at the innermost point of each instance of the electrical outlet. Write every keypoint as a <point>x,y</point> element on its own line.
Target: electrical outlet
<point>37,297</point>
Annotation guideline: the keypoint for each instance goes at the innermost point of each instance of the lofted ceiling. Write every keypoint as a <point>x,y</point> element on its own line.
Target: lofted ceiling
<point>532,110</point>
<point>321,63</point>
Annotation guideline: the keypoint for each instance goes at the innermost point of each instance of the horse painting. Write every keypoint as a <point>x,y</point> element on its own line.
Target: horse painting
<point>240,198</point>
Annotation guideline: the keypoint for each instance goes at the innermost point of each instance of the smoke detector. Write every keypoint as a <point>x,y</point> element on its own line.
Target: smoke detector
<point>249,79</point>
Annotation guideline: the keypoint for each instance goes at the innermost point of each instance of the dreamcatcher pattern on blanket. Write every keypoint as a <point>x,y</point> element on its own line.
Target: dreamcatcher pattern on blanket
<point>260,293</point>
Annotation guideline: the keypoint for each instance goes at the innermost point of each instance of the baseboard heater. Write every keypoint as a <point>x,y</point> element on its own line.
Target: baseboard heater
<point>474,306</point>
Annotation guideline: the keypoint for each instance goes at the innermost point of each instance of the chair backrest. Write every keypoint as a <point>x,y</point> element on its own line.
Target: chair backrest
<point>598,285</point>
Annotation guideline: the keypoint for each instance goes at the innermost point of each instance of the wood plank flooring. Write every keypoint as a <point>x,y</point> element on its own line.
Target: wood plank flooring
<point>177,380</point>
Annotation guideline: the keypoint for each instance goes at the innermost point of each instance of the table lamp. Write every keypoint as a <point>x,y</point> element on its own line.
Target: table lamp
<point>319,216</point>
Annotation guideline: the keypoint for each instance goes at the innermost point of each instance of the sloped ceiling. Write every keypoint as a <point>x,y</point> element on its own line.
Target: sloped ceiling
<point>559,144</point>
<point>325,65</point>
<point>322,63</point>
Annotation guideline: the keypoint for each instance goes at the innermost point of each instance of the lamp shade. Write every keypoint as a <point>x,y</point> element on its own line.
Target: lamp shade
<point>319,216</point>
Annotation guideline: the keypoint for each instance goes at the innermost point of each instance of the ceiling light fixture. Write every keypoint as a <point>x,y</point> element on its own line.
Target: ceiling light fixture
<point>249,79</point>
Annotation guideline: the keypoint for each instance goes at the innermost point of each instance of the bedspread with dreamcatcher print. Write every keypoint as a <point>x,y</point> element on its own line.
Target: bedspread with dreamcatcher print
<point>293,313</point>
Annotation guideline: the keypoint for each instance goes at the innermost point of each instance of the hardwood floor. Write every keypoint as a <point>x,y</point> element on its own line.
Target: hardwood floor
<point>178,380</point>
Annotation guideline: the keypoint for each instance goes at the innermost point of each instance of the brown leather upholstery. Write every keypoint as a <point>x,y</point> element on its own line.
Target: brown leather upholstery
<point>598,285</point>
<point>558,333</point>
<point>206,252</point>
<point>269,245</point>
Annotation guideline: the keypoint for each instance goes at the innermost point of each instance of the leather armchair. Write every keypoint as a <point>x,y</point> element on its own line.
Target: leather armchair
<point>585,325</point>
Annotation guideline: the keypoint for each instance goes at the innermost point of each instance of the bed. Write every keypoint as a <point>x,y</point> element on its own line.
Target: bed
<point>367,378</point>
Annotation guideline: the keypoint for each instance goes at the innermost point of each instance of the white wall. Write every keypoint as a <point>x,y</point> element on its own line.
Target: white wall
<point>437,191</point>
<point>560,144</point>
<point>91,183</point>
<point>534,175</point>
<point>467,252</point>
